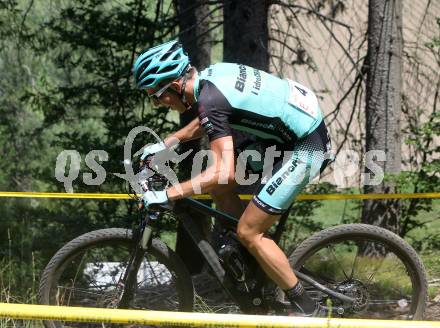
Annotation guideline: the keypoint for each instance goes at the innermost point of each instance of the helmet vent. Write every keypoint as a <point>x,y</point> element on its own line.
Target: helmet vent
<point>153,70</point>
<point>167,55</point>
<point>148,81</point>
<point>142,69</point>
<point>169,68</point>
<point>175,47</point>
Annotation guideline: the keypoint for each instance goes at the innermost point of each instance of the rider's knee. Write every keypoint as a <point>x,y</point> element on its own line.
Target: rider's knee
<point>221,188</point>
<point>246,237</point>
<point>220,191</point>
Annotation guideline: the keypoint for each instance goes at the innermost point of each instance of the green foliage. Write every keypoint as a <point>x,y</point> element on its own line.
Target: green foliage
<point>422,135</point>
<point>66,84</point>
<point>435,43</point>
<point>424,178</point>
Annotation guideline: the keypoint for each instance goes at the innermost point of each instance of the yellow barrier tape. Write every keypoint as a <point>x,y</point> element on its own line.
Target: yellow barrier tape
<point>187,319</point>
<point>29,194</point>
<point>346,196</point>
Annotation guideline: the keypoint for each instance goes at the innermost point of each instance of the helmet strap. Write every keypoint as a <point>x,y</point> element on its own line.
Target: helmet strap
<point>183,95</point>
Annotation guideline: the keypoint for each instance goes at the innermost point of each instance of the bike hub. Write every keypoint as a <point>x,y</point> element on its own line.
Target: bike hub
<point>356,289</point>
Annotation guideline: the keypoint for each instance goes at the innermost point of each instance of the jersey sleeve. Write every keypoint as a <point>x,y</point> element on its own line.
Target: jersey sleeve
<point>214,111</point>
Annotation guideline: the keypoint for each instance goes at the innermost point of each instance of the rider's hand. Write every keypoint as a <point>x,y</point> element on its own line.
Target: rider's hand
<point>155,197</point>
<point>153,149</point>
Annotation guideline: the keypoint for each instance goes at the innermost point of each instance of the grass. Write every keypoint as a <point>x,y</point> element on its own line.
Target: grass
<point>432,220</point>
<point>431,260</point>
<point>385,274</point>
<point>9,284</point>
<point>334,212</point>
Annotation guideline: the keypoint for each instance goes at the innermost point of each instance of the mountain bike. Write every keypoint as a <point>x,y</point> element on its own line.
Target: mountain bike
<point>352,270</point>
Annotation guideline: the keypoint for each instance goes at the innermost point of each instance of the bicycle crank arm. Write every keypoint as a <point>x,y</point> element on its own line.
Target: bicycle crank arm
<point>324,289</point>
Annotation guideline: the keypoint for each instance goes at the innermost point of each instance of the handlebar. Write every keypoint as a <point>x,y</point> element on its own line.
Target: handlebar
<point>149,179</point>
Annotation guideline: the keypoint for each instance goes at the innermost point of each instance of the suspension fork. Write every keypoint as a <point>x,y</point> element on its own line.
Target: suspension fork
<point>128,282</point>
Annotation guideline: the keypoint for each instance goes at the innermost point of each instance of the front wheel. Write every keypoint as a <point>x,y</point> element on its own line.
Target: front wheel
<point>86,272</point>
<point>371,264</point>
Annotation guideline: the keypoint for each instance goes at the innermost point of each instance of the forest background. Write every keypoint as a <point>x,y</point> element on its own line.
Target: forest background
<point>66,84</point>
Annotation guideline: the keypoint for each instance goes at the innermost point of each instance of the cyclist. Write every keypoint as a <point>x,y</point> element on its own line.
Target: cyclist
<point>231,97</point>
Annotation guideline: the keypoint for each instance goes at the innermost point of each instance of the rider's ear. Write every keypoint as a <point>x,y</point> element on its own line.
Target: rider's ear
<point>177,85</point>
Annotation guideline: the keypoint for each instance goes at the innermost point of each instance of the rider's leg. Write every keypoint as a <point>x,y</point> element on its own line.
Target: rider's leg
<point>253,224</point>
<point>290,176</point>
<point>251,228</point>
<point>226,199</point>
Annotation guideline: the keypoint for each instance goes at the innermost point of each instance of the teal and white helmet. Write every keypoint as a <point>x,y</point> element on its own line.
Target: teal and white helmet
<point>161,63</point>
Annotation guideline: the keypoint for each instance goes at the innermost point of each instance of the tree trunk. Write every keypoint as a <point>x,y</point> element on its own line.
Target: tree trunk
<point>383,105</point>
<point>196,41</point>
<point>246,35</point>
<point>194,27</point>
<point>246,39</point>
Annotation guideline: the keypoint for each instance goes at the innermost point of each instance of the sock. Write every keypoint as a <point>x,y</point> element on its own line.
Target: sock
<point>298,297</point>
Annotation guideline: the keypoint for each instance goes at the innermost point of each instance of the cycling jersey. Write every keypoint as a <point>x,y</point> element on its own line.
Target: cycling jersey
<point>247,99</point>
<point>280,111</point>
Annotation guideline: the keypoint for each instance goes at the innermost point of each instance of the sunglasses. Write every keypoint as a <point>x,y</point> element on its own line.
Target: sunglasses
<point>155,96</point>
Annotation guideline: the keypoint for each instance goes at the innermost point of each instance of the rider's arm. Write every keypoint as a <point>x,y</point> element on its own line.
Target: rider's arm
<point>191,131</point>
<point>221,171</point>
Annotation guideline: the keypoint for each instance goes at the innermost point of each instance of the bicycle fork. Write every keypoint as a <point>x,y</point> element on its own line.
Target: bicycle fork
<point>127,283</point>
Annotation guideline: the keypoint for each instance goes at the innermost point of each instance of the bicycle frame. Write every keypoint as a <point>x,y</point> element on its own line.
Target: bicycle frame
<point>248,302</point>
<point>224,218</point>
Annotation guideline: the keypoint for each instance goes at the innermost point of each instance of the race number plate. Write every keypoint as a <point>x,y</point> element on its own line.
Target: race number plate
<point>303,98</point>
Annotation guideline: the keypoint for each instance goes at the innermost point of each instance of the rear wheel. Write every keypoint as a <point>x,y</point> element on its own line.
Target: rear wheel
<point>371,264</point>
<point>85,272</point>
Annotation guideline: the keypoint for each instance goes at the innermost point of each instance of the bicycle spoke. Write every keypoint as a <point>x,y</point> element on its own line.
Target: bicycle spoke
<point>321,278</point>
<point>354,262</point>
<point>381,284</point>
<point>337,261</point>
<point>153,272</point>
<point>374,273</point>
<point>96,275</point>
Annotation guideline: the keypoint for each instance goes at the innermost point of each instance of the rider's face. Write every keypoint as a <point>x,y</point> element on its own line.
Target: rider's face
<point>168,98</point>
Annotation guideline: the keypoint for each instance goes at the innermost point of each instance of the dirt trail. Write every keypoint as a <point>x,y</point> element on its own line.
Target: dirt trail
<point>433,311</point>
<point>213,299</point>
